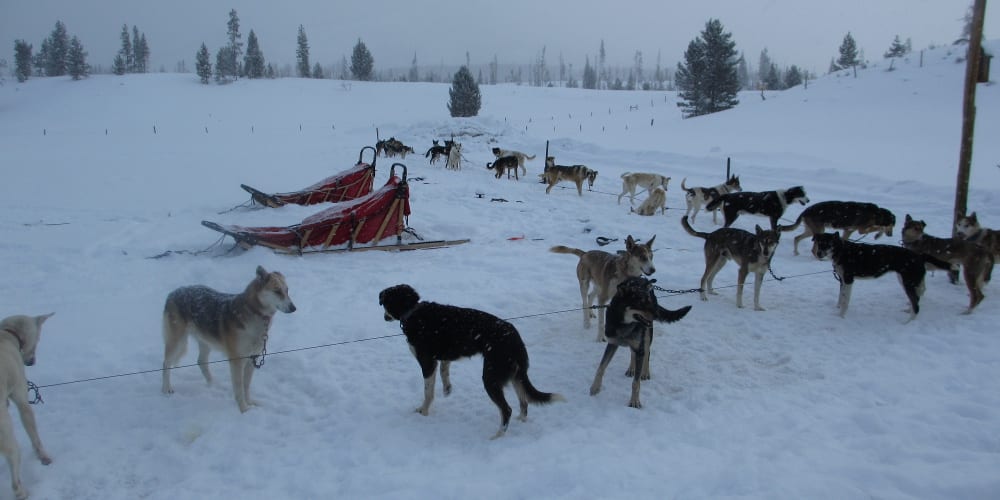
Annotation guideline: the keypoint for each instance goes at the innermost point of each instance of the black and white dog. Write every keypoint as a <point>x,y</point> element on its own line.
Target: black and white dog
<point>847,216</point>
<point>438,332</point>
<point>860,260</point>
<point>629,322</point>
<point>771,204</point>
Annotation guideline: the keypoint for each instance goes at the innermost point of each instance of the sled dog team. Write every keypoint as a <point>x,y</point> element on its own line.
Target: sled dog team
<point>237,324</point>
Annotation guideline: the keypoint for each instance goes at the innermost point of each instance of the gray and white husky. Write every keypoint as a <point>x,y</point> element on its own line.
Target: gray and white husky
<point>236,324</point>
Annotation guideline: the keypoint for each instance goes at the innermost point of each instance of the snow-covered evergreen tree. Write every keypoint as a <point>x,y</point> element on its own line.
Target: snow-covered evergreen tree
<point>57,51</point>
<point>22,60</point>
<point>235,44</point>
<point>707,79</point>
<point>317,71</point>
<point>203,65</point>
<point>848,52</point>
<point>302,54</point>
<point>793,77</point>
<point>897,49</point>
<point>76,60</point>
<point>141,54</point>
<point>125,52</point>
<point>253,63</point>
<point>362,62</point>
<point>464,93</point>
<point>413,75</point>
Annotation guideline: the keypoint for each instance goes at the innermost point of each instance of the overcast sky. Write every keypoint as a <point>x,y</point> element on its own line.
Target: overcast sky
<point>802,32</point>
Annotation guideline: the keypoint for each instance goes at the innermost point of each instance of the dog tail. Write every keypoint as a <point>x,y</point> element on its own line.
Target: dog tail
<point>565,249</point>
<point>933,262</point>
<point>793,226</point>
<point>667,316</point>
<point>531,393</point>
<point>690,191</point>
<point>690,230</point>
<point>626,174</point>
<point>526,157</point>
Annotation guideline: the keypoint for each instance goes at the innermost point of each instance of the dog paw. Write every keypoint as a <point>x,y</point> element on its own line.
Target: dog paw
<point>45,459</point>
<point>758,308</point>
<point>421,410</point>
<point>447,390</point>
<point>594,389</point>
<point>635,404</point>
<point>645,376</point>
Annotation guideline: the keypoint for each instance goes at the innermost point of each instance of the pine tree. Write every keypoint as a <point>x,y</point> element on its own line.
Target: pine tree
<point>363,64</point>
<point>317,71</point>
<point>833,66</point>
<point>793,77</point>
<point>203,65</point>
<point>413,75</point>
<point>773,79</point>
<point>235,44</point>
<point>133,65</point>
<point>464,92</point>
<point>22,60</point>
<point>743,73</point>
<point>897,49</point>
<point>302,54</point>
<point>126,51</point>
<point>223,64</point>
<point>41,59</point>
<point>253,63</point>
<point>763,68</point>
<point>118,66</point>
<point>848,52</point>
<point>142,54</point>
<point>707,80</point>
<point>589,76</point>
<point>76,60</point>
<point>58,51</point>
<point>602,70</point>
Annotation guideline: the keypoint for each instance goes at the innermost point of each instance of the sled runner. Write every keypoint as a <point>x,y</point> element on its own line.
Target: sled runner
<point>368,219</point>
<point>350,184</point>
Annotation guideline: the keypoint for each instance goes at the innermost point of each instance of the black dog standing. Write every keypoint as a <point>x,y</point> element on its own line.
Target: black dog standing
<point>629,322</point>
<point>438,332</point>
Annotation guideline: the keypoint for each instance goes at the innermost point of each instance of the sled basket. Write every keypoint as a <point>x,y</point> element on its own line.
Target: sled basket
<point>369,219</point>
<point>350,184</point>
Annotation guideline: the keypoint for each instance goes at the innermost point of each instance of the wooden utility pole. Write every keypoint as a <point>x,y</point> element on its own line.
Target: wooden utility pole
<point>972,61</point>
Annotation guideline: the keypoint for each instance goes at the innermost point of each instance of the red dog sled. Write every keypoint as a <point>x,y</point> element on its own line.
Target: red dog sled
<point>350,184</point>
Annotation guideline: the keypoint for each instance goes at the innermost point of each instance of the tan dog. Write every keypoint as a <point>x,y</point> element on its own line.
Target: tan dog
<point>605,271</point>
<point>638,180</point>
<point>967,227</point>
<point>657,199</point>
<point>236,324</point>
<point>18,339</point>
<point>575,173</point>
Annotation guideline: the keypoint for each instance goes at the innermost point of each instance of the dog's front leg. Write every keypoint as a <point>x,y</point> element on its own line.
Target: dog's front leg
<point>446,377</point>
<point>758,281</point>
<point>609,352</point>
<point>741,279</point>
<point>637,353</point>
<point>429,368</point>
<point>845,297</point>
<point>248,371</point>
<point>236,371</point>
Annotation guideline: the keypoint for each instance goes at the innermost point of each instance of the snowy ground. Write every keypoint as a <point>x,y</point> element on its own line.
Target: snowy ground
<point>793,402</point>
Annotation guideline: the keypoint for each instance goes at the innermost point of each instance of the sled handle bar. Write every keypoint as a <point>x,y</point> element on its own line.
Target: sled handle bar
<point>361,155</point>
<point>392,170</point>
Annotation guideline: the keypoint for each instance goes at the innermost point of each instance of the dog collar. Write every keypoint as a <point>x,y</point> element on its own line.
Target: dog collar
<point>20,341</point>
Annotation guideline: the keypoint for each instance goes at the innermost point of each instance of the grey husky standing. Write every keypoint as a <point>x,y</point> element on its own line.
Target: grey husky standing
<point>606,271</point>
<point>236,324</point>
<point>752,252</point>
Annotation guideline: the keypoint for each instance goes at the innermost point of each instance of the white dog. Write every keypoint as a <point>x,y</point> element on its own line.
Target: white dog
<point>455,157</point>
<point>18,340</point>
<point>632,181</point>
<point>657,199</point>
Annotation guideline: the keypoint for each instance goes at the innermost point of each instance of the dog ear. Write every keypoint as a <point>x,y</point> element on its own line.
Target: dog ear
<point>972,216</point>
<point>649,244</point>
<point>908,219</point>
<point>262,273</point>
<point>41,319</point>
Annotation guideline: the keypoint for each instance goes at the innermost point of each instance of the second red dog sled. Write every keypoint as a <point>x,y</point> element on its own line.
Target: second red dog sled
<point>350,184</point>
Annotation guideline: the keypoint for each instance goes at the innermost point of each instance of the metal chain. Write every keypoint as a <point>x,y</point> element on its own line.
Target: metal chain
<point>38,394</point>
<point>260,357</point>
